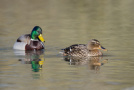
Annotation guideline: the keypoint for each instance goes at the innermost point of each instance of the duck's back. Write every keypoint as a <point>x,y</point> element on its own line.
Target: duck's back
<point>78,50</point>
<point>24,38</point>
<point>22,41</point>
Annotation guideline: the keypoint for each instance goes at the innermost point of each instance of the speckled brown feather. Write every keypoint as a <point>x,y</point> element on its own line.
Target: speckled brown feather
<point>76,50</point>
<point>83,50</point>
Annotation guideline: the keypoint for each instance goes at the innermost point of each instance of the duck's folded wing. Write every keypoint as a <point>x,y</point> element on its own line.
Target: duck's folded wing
<point>73,48</point>
<point>24,38</point>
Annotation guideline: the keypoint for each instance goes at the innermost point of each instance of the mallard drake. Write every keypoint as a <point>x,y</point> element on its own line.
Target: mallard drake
<point>84,50</point>
<point>33,41</point>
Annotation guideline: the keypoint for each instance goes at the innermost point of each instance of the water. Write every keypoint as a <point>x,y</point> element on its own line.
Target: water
<point>65,23</point>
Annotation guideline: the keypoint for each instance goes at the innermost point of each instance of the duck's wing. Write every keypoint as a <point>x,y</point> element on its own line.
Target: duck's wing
<point>24,38</point>
<point>74,48</point>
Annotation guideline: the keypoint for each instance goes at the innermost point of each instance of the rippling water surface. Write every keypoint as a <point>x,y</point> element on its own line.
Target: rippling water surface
<point>66,22</point>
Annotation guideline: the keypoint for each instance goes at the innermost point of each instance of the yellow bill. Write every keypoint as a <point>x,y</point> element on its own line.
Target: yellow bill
<point>41,38</point>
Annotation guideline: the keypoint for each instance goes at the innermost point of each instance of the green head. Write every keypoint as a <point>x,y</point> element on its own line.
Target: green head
<point>37,33</point>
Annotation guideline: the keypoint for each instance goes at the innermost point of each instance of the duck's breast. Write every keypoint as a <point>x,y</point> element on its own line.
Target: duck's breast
<point>37,45</point>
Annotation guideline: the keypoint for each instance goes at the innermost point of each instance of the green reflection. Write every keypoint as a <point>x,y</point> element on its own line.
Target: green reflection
<point>37,63</point>
<point>35,58</point>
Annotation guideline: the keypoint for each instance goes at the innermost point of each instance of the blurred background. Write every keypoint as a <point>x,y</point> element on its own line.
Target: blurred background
<point>67,22</point>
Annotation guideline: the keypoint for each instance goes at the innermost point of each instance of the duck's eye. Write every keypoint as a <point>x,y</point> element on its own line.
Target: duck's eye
<point>97,43</point>
<point>93,43</point>
<point>38,32</point>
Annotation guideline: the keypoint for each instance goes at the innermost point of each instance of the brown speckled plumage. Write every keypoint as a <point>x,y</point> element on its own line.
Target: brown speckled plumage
<point>84,50</point>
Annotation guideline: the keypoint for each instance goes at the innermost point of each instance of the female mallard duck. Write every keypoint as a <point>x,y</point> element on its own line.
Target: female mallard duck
<point>84,50</point>
<point>33,41</point>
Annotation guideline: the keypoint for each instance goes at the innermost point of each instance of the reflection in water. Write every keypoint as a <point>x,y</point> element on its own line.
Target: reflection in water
<point>94,63</point>
<point>35,58</point>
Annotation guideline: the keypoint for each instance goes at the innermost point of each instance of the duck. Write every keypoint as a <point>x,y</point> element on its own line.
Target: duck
<point>92,48</point>
<point>33,41</point>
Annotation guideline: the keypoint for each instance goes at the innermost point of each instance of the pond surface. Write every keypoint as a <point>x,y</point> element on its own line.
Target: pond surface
<point>67,22</point>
